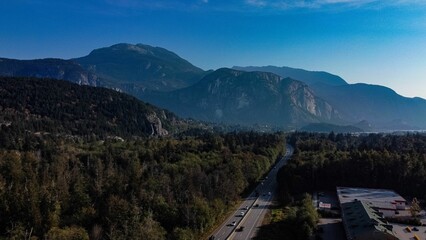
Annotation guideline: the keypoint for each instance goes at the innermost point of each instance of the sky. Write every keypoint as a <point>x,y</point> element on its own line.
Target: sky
<point>372,41</point>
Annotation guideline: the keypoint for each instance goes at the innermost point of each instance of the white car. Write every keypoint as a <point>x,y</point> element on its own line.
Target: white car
<point>242,214</point>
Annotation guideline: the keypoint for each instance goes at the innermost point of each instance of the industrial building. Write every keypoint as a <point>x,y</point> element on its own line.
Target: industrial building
<point>364,211</point>
<point>361,222</point>
<point>385,201</point>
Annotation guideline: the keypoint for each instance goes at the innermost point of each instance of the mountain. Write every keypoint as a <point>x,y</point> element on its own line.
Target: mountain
<point>148,72</point>
<point>238,97</point>
<point>48,68</point>
<point>52,106</point>
<point>381,106</point>
<point>136,68</point>
<point>308,77</point>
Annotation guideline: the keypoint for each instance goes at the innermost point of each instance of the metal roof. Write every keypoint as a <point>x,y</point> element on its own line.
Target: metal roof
<point>359,218</point>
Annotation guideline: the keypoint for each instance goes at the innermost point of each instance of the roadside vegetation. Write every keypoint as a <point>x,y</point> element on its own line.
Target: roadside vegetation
<point>297,220</point>
<point>325,161</point>
<point>159,188</point>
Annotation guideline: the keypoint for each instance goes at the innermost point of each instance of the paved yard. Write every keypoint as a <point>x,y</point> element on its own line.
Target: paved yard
<point>332,229</point>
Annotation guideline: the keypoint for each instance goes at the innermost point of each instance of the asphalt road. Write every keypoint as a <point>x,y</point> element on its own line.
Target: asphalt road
<point>246,226</point>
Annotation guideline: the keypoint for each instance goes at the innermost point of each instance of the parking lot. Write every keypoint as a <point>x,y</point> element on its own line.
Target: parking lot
<point>330,228</point>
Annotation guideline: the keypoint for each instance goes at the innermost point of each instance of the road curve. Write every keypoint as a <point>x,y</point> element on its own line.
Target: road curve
<point>257,207</point>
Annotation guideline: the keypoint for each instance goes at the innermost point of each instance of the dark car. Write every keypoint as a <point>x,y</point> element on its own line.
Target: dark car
<point>240,229</point>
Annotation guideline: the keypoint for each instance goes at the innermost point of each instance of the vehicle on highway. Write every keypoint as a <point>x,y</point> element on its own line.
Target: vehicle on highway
<point>233,223</point>
<point>241,214</point>
<point>240,229</point>
<point>246,208</point>
<point>256,205</point>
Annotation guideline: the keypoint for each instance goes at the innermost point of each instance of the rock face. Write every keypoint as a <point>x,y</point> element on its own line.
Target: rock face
<point>136,68</point>
<point>48,68</point>
<point>156,125</point>
<point>238,97</point>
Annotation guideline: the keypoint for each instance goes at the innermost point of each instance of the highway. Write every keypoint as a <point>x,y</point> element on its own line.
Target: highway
<point>254,208</point>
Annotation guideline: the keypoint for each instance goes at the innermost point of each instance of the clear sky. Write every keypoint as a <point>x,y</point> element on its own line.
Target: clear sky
<point>373,41</point>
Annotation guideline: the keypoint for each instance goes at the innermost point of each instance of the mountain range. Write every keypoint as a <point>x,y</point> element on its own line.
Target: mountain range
<point>382,107</point>
<point>281,97</point>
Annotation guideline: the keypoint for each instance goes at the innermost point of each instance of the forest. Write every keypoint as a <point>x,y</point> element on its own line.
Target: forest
<point>48,106</point>
<point>325,161</point>
<point>159,188</point>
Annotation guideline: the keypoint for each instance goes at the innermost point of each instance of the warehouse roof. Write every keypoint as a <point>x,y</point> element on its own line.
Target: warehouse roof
<point>359,218</point>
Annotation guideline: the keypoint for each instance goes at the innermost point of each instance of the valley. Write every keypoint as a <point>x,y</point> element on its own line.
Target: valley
<point>132,140</point>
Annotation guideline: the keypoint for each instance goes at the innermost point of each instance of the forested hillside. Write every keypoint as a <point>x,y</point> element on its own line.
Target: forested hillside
<point>158,188</point>
<point>58,107</point>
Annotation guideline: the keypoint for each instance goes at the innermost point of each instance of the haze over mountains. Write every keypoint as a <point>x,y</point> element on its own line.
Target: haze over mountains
<point>379,105</point>
<point>281,97</point>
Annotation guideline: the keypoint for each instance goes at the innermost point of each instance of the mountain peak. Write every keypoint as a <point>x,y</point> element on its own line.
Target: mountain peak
<point>136,67</point>
<point>139,48</point>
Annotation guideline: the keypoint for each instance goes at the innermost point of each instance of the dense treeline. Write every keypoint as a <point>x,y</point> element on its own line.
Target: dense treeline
<point>376,160</point>
<point>296,221</point>
<point>160,188</point>
<point>54,106</point>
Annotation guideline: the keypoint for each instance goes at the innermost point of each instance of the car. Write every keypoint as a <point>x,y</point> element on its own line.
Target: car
<point>233,223</point>
<point>269,193</point>
<point>240,229</point>
<point>246,208</point>
<point>256,205</point>
<point>241,214</point>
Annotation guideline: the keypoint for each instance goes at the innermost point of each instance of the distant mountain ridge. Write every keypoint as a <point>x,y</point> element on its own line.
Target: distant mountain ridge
<point>308,77</point>
<point>232,96</point>
<point>379,105</point>
<point>326,127</point>
<point>382,107</point>
<point>48,68</point>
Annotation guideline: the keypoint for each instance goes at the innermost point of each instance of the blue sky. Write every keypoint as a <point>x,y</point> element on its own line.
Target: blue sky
<point>379,42</point>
